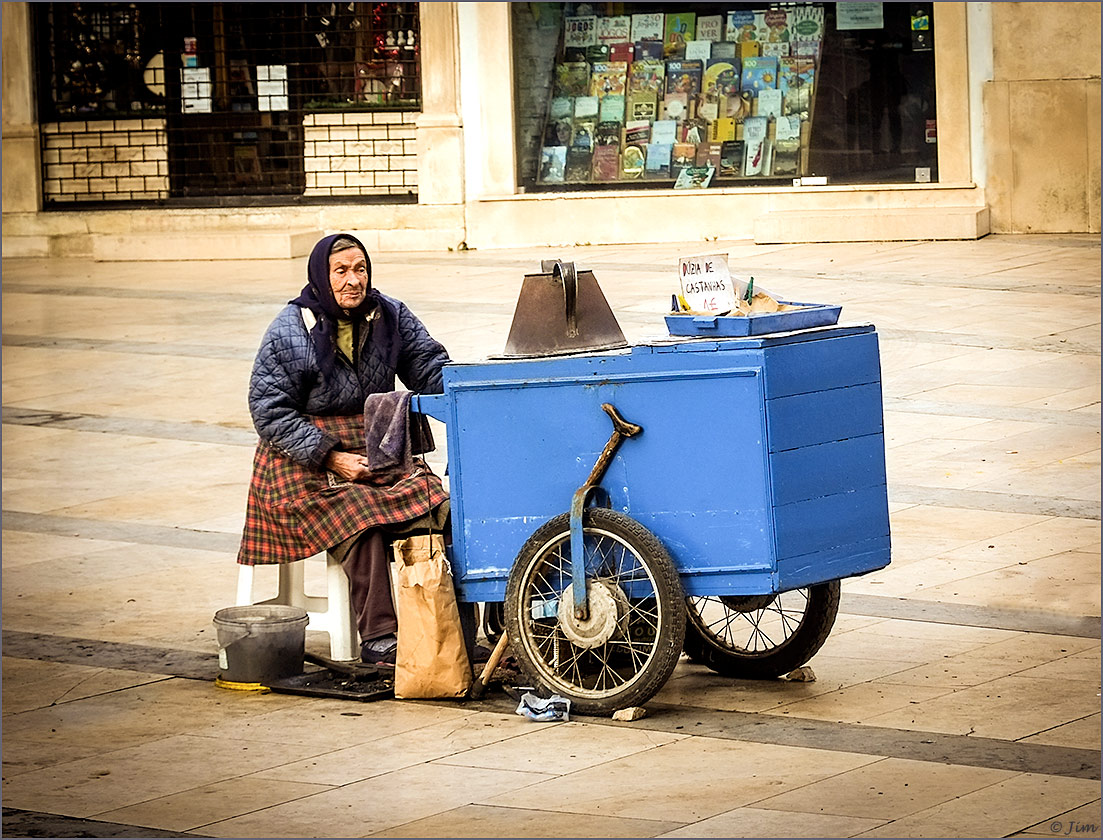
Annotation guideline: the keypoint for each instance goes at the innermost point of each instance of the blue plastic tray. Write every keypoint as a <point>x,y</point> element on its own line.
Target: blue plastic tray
<point>810,315</point>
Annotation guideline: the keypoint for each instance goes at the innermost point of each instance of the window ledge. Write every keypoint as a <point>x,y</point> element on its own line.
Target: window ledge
<point>773,190</point>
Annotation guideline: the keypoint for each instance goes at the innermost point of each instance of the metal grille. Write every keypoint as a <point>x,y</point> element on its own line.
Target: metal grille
<point>92,60</point>
<point>289,101</point>
<point>365,54</point>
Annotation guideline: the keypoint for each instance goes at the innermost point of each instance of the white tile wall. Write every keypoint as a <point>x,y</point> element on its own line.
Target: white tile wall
<point>345,154</point>
<point>361,153</point>
<point>105,160</point>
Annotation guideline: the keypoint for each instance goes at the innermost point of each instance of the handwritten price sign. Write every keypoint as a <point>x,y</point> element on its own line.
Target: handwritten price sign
<point>706,284</point>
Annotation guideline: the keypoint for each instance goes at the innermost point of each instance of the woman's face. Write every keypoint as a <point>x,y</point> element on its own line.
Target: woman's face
<point>348,277</point>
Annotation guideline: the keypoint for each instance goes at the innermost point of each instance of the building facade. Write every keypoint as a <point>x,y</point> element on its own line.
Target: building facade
<point>480,125</point>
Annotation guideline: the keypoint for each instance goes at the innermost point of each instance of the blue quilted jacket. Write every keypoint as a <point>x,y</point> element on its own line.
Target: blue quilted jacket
<point>286,384</point>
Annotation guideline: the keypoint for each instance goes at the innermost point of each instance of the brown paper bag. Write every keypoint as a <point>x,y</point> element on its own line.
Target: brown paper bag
<point>431,660</point>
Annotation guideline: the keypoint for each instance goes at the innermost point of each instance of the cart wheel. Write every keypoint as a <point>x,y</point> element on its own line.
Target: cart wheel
<point>760,636</point>
<point>627,649</point>
<point>493,620</point>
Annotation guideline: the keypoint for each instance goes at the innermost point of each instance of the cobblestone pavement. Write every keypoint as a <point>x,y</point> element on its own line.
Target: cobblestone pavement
<point>958,695</point>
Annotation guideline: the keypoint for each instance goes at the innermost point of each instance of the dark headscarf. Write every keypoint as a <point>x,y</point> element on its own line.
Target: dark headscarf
<point>317,296</point>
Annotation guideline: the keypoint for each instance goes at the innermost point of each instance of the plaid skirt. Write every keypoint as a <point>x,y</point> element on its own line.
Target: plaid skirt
<point>296,511</point>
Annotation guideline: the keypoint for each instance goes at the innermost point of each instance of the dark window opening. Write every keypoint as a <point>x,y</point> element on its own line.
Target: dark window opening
<point>98,60</point>
<point>167,101</point>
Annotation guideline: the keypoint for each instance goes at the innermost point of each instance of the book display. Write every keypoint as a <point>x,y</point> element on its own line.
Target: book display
<point>671,96</point>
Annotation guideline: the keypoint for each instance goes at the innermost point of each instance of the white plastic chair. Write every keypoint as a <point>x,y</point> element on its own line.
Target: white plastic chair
<point>331,613</point>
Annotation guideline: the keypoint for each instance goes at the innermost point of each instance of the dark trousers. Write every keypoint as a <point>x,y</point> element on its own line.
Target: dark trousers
<point>368,566</point>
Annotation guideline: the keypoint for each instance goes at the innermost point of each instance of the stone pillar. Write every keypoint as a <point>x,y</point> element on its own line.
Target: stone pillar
<point>440,150</point>
<point>488,53</point>
<point>951,71</point>
<point>22,171</point>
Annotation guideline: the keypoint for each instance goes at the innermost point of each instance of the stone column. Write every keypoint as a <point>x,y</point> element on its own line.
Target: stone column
<point>440,150</point>
<point>951,70</point>
<point>21,158</point>
<point>488,56</point>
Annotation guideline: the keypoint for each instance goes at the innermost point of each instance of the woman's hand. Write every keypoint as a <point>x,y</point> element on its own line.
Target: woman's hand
<point>348,465</point>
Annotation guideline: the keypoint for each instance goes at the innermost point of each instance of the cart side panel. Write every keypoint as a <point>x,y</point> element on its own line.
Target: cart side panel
<point>825,360</point>
<point>830,522</point>
<point>827,459</point>
<point>513,464</point>
<point>823,416</point>
<point>523,437</point>
<point>824,469</point>
<point>698,478</point>
<point>838,562</point>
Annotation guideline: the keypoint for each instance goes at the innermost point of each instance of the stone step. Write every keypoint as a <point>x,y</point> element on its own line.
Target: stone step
<point>877,224</point>
<point>203,245</point>
<point>431,235</point>
<point>26,246</point>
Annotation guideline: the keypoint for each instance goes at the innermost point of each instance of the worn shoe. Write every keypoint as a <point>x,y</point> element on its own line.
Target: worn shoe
<point>379,651</point>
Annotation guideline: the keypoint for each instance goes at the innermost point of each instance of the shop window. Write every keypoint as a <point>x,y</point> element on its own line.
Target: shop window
<point>707,95</point>
<point>203,101</point>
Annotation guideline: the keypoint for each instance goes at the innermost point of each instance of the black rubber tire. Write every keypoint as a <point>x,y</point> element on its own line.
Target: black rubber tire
<point>640,655</point>
<point>727,641</point>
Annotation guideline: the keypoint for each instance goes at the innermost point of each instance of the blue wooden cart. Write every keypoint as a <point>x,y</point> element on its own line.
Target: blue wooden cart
<point>721,528</point>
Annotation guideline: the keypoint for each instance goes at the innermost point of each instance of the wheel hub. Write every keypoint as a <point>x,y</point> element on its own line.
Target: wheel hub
<point>608,607</point>
<point>747,603</point>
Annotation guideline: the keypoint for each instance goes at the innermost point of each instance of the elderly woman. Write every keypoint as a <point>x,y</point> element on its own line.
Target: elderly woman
<point>312,490</point>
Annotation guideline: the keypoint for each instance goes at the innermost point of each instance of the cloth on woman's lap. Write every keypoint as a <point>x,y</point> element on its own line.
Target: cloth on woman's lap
<point>392,436</point>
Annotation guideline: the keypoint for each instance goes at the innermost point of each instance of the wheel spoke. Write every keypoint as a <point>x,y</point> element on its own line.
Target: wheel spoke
<point>635,610</point>
<point>574,661</point>
<point>606,670</point>
<point>729,620</point>
<point>760,633</point>
<point>789,624</point>
<point>638,651</point>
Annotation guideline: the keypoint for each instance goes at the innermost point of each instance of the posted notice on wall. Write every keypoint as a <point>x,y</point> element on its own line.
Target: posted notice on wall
<point>272,87</point>
<point>859,16</point>
<point>195,90</point>
<point>706,283</point>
